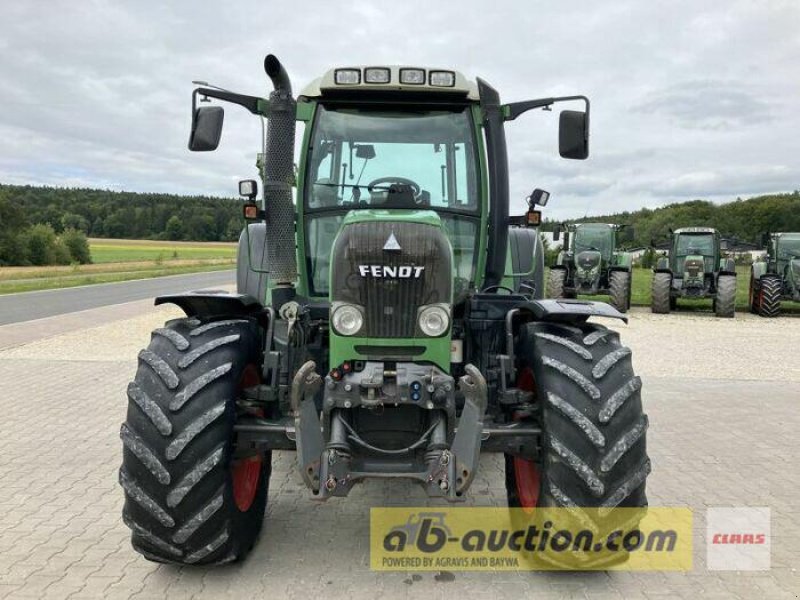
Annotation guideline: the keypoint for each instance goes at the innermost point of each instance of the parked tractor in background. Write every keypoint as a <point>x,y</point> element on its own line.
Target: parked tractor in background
<point>379,328</point>
<point>592,264</point>
<point>778,276</point>
<point>695,268</point>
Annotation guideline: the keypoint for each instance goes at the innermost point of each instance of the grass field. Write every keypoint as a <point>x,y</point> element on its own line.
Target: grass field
<point>122,260</point>
<point>118,251</point>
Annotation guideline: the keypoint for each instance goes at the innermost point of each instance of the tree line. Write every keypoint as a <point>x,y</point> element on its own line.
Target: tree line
<point>128,215</point>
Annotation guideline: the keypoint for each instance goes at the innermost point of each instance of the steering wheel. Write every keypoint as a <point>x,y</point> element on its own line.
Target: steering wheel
<point>414,185</point>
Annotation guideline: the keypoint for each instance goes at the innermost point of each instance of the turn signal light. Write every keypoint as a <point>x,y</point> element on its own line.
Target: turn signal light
<point>533,218</point>
<point>251,212</point>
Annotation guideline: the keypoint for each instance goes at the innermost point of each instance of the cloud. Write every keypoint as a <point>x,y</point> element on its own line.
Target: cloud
<point>711,104</point>
<point>688,99</point>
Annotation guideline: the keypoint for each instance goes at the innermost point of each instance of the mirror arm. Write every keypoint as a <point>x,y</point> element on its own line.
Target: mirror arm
<point>513,110</point>
<point>252,103</point>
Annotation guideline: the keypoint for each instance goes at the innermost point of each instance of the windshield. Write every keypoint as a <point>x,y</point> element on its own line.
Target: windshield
<point>594,237</point>
<point>788,248</point>
<point>356,155</point>
<point>702,244</point>
<point>367,158</point>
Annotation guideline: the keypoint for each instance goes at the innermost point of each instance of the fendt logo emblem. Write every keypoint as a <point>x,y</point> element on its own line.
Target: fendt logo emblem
<point>392,245</point>
<point>404,272</point>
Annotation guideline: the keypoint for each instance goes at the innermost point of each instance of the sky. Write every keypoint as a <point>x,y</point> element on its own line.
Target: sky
<point>690,99</point>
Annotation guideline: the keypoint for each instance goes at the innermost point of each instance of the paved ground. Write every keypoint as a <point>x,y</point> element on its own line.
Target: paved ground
<point>713,441</point>
<point>27,306</point>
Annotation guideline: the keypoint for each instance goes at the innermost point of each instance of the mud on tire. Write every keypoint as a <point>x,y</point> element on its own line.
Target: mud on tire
<point>177,469</point>
<point>593,446</point>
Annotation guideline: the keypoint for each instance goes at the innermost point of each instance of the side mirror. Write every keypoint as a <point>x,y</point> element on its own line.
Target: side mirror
<point>723,245</point>
<point>765,239</point>
<point>248,188</point>
<point>628,233</point>
<point>573,135</point>
<point>366,151</point>
<point>556,234</point>
<point>206,128</point>
<point>539,197</point>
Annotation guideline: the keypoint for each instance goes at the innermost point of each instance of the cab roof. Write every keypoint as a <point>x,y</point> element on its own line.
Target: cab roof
<point>696,230</point>
<point>327,84</point>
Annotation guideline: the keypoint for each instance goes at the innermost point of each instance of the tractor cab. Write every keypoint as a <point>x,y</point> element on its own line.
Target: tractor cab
<point>592,245</point>
<point>696,252</point>
<point>408,145</point>
<point>786,254</point>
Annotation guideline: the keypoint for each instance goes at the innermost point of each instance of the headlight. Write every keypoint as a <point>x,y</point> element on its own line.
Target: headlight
<point>434,320</point>
<point>347,319</point>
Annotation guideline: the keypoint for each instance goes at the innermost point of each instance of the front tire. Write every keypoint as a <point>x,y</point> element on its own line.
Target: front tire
<point>662,284</point>
<point>594,451</point>
<point>755,294</point>
<point>187,500</point>
<point>619,288</point>
<point>769,304</point>
<point>725,299</point>
<point>555,283</point>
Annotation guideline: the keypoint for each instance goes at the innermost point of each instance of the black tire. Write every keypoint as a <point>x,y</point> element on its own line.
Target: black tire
<point>555,283</point>
<point>755,294</point>
<point>177,464</point>
<point>662,282</point>
<point>594,451</point>
<point>619,288</point>
<point>770,303</point>
<point>725,298</point>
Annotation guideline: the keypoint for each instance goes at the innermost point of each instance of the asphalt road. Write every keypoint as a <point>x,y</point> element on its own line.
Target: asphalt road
<point>27,306</point>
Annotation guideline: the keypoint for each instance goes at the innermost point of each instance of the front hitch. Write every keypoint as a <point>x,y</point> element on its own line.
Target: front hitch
<point>330,464</point>
<point>310,442</point>
<point>467,442</point>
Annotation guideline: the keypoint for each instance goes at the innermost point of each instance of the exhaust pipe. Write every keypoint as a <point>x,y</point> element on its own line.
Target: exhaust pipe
<point>278,178</point>
<point>278,75</point>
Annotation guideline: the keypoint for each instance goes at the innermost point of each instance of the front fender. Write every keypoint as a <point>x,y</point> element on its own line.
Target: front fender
<point>212,303</point>
<point>569,311</point>
<point>727,266</point>
<point>623,261</point>
<point>759,269</point>
<point>662,265</point>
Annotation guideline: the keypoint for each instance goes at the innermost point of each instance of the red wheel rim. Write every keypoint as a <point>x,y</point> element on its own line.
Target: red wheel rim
<point>246,472</point>
<point>526,472</point>
<point>245,475</point>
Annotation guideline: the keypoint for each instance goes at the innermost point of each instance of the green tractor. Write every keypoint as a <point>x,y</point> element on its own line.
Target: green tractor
<point>591,264</point>
<point>388,323</point>
<point>695,268</point>
<point>778,277</point>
